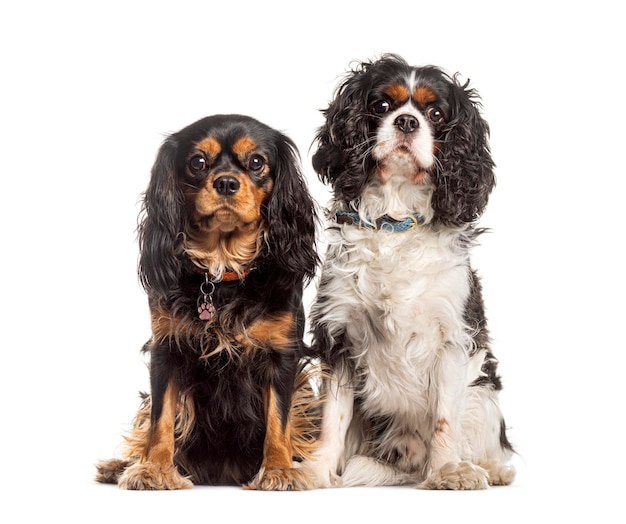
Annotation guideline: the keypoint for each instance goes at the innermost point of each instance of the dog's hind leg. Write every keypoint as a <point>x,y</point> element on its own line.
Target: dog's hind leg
<point>110,471</point>
<point>325,466</point>
<point>367,471</point>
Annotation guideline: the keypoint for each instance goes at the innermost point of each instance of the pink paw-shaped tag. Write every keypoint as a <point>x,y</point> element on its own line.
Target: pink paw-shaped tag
<point>206,311</point>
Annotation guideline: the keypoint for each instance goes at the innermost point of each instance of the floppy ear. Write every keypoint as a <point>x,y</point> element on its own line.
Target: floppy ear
<point>465,178</point>
<point>160,228</point>
<point>343,141</point>
<point>291,216</point>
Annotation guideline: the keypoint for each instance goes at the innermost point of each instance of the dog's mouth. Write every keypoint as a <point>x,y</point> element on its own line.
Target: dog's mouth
<point>402,162</point>
<point>224,219</point>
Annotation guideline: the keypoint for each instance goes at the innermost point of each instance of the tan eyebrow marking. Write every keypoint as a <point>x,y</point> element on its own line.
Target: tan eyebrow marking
<point>398,93</point>
<point>210,146</point>
<point>243,146</point>
<point>424,95</point>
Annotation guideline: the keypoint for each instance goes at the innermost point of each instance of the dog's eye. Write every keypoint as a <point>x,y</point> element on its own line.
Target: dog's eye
<point>435,115</point>
<point>197,163</point>
<point>380,107</point>
<point>256,163</point>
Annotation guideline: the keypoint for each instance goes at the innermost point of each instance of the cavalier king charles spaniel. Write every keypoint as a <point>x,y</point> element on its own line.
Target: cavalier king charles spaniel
<point>227,243</point>
<point>412,389</point>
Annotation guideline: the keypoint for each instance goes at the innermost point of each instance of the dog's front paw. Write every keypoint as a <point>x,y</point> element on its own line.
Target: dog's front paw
<point>281,479</point>
<point>149,476</point>
<point>499,474</point>
<point>457,476</point>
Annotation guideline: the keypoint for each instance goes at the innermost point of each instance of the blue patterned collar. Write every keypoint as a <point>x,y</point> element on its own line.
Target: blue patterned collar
<point>384,223</point>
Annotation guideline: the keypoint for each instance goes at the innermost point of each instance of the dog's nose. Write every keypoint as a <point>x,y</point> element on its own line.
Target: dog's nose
<point>406,123</point>
<point>226,185</point>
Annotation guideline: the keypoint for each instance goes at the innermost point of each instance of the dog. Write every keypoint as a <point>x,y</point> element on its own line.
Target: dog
<point>227,243</point>
<point>399,320</point>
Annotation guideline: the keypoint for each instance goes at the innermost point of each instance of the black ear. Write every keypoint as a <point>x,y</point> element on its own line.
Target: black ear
<point>465,177</point>
<point>328,158</point>
<point>343,142</point>
<point>290,216</point>
<point>161,226</point>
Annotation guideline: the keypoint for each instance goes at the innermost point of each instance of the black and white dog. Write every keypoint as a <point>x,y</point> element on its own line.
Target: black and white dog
<point>412,393</point>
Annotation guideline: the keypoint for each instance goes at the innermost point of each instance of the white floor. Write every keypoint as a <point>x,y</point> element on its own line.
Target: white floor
<point>540,496</point>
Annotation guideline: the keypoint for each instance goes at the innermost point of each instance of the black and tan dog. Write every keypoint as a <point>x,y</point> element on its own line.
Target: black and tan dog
<point>227,243</point>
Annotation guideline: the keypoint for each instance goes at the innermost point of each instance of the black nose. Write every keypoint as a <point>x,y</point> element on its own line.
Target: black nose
<point>226,185</point>
<point>406,123</point>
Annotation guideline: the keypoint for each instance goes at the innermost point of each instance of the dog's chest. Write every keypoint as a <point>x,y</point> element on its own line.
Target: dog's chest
<point>402,298</point>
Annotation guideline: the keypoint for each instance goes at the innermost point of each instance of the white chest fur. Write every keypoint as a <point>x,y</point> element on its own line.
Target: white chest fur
<point>400,299</point>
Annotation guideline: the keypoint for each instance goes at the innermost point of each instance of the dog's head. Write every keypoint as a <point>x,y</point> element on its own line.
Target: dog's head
<point>400,139</point>
<point>227,193</point>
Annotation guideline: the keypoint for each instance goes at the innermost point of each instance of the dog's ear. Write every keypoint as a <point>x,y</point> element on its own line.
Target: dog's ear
<point>466,177</point>
<point>342,158</point>
<point>161,226</point>
<point>328,158</point>
<point>290,215</point>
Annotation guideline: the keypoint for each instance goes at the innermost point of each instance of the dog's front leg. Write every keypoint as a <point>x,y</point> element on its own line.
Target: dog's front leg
<point>277,471</point>
<point>447,469</point>
<point>155,469</point>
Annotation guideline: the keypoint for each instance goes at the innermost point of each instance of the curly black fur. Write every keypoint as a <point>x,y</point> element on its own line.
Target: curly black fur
<point>464,177</point>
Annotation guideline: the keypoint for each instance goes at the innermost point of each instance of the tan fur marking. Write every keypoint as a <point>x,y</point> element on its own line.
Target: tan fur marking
<point>441,425</point>
<point>277,448</point>
<point>136,442</point>
<point>160,449</point>
<point>210,146</point>
<point>217,252</point>
<point>442,437</point>
<point>276,332</point>
<point>250,197</point>
<point>306,411</point>
<point>242,208</point>
<point>424,95</point>
<point>211,212</point>
<point>299,437</point>
<point>244,146</point>
<point>165,325</point>
<point>397,93</point>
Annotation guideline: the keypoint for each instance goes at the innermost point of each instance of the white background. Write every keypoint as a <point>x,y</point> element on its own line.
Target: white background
<point>89,90</point>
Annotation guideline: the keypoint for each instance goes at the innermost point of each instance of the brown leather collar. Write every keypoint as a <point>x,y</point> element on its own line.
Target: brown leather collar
<point>227,276</point>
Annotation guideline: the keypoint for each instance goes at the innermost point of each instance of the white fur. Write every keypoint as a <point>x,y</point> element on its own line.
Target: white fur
<point>399,298</point>
<point>419,145</point>
<point>336,418</point>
